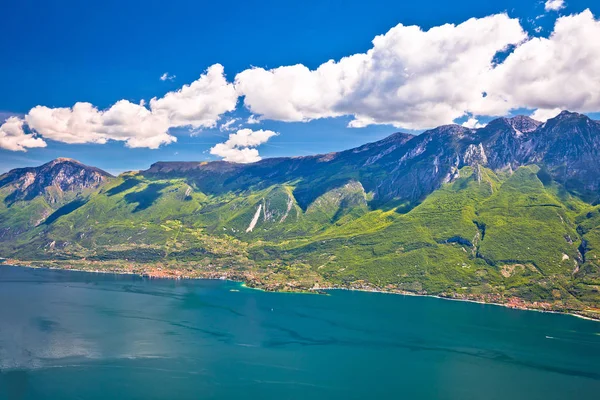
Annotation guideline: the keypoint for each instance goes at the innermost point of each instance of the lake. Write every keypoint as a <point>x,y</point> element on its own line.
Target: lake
<point>75,335</point>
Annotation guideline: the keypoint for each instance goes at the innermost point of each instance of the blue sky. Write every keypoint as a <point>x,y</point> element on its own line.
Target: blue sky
<point>56,54</point>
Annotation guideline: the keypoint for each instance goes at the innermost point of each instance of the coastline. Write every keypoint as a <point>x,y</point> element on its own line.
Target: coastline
<point>465,301</point>
<point>318,290</point>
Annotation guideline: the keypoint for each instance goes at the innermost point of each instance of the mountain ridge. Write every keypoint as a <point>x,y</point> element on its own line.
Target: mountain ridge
<point>506,213</point>
<point>444,150</point>
<point>62,174</point>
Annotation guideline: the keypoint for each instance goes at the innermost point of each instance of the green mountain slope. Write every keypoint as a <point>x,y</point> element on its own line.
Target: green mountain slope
<point>480,234</point>
<point>485,235</point>
<point>393,215</point>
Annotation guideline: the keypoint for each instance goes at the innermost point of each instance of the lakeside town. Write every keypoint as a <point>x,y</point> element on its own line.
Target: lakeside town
<point>272,282</point>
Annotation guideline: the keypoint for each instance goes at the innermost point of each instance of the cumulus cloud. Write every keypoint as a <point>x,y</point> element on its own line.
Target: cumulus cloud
<point>396,82</point>
<point>241,146</point>
<point>84,123</point>
<point>544,115</point>
<point>14,138</point>
<point>558,72</point>
<point>473,123</point>
<point>167,77</point>
<point>554,5</point>
<point>410,78</point>
<point>460,74</point>
<point>198,105</point>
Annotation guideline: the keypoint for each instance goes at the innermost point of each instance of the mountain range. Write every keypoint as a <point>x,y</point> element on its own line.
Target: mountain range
<point>506,213</point>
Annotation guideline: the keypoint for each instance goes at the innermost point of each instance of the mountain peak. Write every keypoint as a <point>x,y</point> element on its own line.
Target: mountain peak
<point>522,118</point>
<point>564,113</point>
<point>56,177</point>
<point>65,159</point>
<point>569,115</point>
<point>447,130</point>
<point>523,123</point>
<point>569,120</point>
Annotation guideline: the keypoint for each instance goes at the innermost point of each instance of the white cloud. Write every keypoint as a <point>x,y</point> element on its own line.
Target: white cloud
<point>198,105</point>
<point>473,123</point>
<point>252,120</point>
<point>244,155</point>
<point>166,76</point>
<point>544,115</point>
<point>240,147</point>
<point>558,72</point>
<point>410,78</point>
<point>396,82</point>
<point>554,5</point>
<point>14,138</point>
<point>84,123</point>
<point>227,125</point>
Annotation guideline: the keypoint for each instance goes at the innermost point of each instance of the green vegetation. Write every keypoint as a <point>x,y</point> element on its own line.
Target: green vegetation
<point>489,236</point>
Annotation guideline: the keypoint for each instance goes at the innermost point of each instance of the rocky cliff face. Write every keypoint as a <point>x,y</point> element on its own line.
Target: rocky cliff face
<point>566,146</point>
<point>51,180</point>
<point>407,168</point>
<point>569,146</point>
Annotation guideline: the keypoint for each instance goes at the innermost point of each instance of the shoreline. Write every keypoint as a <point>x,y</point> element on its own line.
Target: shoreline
<point>464,301</point>
<point>320,290</point>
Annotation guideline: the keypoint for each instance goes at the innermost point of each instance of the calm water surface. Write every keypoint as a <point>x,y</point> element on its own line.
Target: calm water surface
<point>71,335</point>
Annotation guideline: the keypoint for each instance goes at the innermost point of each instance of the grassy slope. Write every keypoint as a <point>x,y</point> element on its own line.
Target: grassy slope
<point>483,233</point>
<point>480,234</point>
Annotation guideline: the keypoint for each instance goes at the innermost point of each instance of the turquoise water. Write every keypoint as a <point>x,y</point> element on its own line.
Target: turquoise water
<point>71,335</point>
